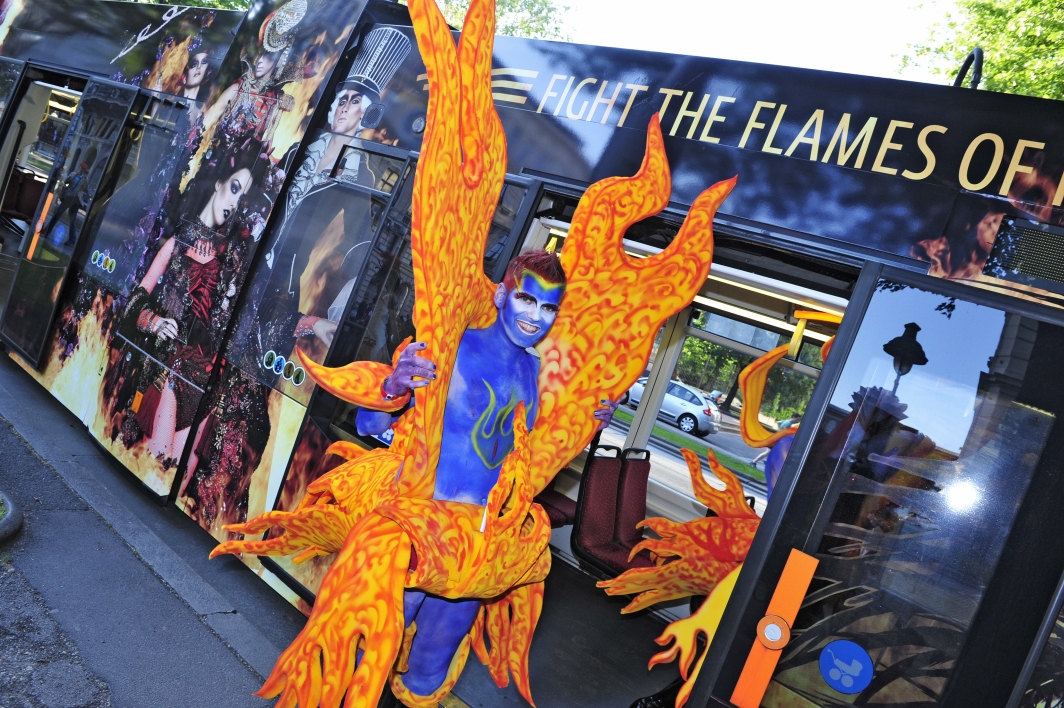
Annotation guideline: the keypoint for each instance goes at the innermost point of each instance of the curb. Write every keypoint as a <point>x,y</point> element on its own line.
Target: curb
<point>12,521</point>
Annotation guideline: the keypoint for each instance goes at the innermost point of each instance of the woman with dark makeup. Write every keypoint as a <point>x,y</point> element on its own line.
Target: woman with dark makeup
<point>181,307</point>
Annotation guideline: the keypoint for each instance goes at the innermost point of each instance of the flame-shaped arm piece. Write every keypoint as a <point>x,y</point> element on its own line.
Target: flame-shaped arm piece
<point>359,382</point>
<point>729,503</point>
<point>693,556</point>
<point>684,633</point>
<point>752,381</point>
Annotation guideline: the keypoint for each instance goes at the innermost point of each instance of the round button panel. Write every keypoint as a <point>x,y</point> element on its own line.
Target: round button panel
<point>773,632</point>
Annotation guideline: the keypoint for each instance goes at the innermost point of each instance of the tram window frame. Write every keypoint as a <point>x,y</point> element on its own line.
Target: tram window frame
<point>788,523</point>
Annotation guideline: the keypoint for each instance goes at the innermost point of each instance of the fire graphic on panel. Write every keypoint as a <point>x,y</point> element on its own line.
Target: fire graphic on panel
<point>377,511</point>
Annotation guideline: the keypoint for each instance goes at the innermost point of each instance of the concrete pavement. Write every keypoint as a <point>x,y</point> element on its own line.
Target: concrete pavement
<point>149,620</point>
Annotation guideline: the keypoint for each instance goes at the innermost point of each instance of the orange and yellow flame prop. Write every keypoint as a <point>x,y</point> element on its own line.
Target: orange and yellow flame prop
<point>376,511</point>
<point>752,381</point>
<point>614,304</point>
<point>694,556</point>
<point>699,557</point>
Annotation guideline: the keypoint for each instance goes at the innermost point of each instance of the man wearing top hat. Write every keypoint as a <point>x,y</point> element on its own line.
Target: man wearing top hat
<point>378,58</point>
<point>271,319</point>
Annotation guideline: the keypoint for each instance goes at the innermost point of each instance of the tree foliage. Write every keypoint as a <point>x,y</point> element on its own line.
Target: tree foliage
<point>1022,41</point>
<point>536,19</point>
<point>708,366</point>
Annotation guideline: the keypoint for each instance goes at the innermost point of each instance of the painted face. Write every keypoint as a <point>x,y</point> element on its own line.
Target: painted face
<point>227,195</point>
<point>529,309</point>
<point>265,64</point>
<point>348,113</point>
<point>196,70</point>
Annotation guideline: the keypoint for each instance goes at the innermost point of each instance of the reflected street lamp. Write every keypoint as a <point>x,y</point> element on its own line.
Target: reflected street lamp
<point>907,353</point>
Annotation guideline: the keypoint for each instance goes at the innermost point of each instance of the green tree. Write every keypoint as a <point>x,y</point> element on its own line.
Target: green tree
<point>1022,42</point>
<point>536,19</point>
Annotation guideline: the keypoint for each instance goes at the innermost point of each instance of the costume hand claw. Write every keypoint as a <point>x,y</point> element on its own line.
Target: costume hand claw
<point>605,414</point>
<point>411,371</point>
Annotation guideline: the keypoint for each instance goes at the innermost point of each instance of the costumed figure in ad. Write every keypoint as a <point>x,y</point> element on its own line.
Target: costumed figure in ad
<point>439,546</point>
<point>356,103</point>
<point>179,307</point>
<point>214,488</point>
<point>256,99</point>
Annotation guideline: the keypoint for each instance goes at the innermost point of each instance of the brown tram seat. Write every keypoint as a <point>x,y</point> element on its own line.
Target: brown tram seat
<point>612,500</point>
<point>22,196</point>
<point>560,508</point>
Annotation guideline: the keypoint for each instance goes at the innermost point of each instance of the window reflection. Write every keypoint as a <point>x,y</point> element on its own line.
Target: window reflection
<point>928,463</point>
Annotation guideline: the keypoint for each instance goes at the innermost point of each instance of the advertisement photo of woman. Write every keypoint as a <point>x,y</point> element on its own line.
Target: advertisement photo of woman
<point>178,312</point>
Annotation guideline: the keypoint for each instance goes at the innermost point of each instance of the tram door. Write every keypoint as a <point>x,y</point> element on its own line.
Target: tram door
<point>910,550</point>
<point>75,169</point>
<point>688,396</point>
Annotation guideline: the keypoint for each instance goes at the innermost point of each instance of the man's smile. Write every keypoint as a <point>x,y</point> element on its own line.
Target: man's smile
<point>527,327</point>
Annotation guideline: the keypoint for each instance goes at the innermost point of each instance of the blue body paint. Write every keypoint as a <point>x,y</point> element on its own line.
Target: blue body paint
<point>494,370</point>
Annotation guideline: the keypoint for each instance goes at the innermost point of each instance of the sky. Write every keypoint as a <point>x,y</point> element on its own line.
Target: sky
<point>835,35</point>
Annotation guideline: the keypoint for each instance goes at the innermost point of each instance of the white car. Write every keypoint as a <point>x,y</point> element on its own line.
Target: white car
<point>687,408</point>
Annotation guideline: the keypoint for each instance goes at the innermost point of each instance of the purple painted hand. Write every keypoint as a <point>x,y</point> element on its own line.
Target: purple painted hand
<point>605,414</point>
<point>411,371</point>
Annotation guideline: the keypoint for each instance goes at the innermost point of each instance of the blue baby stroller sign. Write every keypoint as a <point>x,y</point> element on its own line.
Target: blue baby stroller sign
<point>846,667</point>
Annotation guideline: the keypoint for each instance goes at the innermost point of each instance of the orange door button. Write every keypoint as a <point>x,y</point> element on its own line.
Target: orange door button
<point>774,630</point>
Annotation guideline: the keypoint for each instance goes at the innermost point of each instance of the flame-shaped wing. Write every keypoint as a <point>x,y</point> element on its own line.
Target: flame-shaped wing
<point>456,189</point>
<point>614,304</point>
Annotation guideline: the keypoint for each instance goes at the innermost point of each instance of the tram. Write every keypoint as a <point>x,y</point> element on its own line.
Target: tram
<point>190,195</point>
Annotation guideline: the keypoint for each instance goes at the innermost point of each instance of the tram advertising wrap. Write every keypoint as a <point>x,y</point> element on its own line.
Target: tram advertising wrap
<point>136,347</point>
<point>152,46</point>
<point>869,162</point>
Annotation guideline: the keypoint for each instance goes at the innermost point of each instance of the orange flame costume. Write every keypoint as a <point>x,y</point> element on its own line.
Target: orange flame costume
<point>376,510</point>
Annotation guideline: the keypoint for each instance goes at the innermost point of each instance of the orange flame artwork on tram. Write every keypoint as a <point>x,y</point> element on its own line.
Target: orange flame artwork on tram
<point>377,511</point>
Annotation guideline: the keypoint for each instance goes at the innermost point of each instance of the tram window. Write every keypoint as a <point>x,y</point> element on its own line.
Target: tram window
<point>79,167</point>
<point>311,265</point>
<point>931,437</point>
<point>381,313</point>
<point>38,125</point>
<point>122,232</point>
<point>9,73</point>
<point>502,224</point>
